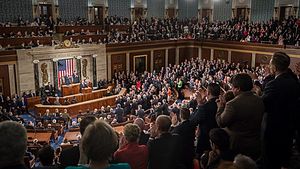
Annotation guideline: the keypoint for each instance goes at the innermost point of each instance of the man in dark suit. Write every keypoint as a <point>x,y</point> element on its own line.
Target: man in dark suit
<point>75,77</point>
<point>67,80</point>
<point>280,99</point>
<point>72,156</point>
<point>163,150</point>
<point>140,112</point>
<point>119,113</point>
<point>144,137</point>
<point>204,116</point>
<point>83,84</point>
<point>186,132</point>
<point>242,116</point>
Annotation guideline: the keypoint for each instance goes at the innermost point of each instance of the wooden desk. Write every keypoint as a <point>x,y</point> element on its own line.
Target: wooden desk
<point>31,101</point>
<point>71,89</point>
<point>86,90</point>
<point>77,29</point>
<point>96,94</point>
<point>74,109</point>
<point>95,38</point>
<point>21,29</point>
<point>41,137</point>
<point>72,136</point>
<point>119,129</point>
<point>47,40</point>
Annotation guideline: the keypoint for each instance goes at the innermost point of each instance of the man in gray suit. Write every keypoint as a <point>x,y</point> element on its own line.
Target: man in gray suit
<point>242,116</point>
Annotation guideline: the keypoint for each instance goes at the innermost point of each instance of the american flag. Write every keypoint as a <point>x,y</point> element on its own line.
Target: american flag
<point>65,67</point>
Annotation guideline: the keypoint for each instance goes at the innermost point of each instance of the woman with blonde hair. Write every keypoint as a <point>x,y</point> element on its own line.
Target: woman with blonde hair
<point>98,143</point>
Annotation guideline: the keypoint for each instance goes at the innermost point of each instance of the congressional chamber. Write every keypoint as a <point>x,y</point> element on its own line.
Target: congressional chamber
<point>150,84</point>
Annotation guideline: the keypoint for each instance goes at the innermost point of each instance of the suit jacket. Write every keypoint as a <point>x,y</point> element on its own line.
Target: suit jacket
<point>163,152</point>
<point>144,138</point>
<point>186,132</point>
<point>204,116</point>
<point>119,114</point>
<point>242,119</point>
<point>280,97</point>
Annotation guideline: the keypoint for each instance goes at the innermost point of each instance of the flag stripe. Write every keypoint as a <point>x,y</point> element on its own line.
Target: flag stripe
<point>65,67</point>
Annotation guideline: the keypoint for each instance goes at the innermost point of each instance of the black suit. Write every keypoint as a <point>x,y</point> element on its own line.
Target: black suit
<point>119,114</point>
<point>144,138</point>
<point>186,132</point>
<point>163,152</point>
<point>280,98</point>
<point>69,157</point>
<point>204,116</point>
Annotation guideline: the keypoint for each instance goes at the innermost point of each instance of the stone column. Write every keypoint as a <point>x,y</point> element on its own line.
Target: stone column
<point>109,73</point>
<point>177,56</point>
<point>253,59</point>
<point>151,61</point>
<point>78,66</point>
<point>211,54</point>
<point>127,63</point>
<point>229,56</point>
<point>55,76</point>
<point>12,79</point>
<point>36,74</point>
<point>166,58</point>
<point>94,70</point>
<point>200,52</point>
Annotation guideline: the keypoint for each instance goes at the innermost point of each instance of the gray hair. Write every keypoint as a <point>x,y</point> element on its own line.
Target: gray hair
<point>140,122</point>
<point>244,162</point>
<point>13,142</point>
<point>99,141</point>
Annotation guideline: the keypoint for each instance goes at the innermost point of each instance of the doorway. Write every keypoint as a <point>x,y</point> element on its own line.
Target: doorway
<point>45,10</point>
<point>98,14</point>
<point>140,63</point>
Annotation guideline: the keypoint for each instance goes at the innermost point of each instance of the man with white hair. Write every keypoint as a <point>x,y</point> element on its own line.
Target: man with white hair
<point>13,145</point>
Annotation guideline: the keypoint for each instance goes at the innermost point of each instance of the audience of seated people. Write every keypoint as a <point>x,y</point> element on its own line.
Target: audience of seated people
<point>285,32</point>
<point>229,101</point>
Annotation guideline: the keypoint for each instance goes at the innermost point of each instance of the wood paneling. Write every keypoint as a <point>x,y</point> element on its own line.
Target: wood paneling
<point>159,59</point>
<point>118,63</point>
<point>242,58</point>
<point>187,53</point>
<point>295,65</point>
<point>74,109</point>
<point>147,53</point>
<point>172,56</point>
<point>8,55</point>
<point>205,54</point>
<point>262,59</point>
<point>221,54</point>
<point>4,77</point>
<point>77,29</point>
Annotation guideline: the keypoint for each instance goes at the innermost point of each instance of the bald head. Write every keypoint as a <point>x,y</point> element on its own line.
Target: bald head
<point>163,123</point>
<point>140,122</point>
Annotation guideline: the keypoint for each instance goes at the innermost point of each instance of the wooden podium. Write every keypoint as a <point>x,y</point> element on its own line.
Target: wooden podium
<point>86,90</point>
<point>71,89</point>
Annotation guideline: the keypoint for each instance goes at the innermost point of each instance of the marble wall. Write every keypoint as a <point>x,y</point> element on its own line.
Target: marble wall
<point>45,57</point>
